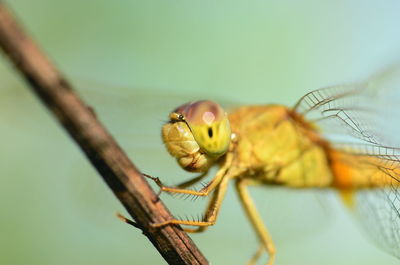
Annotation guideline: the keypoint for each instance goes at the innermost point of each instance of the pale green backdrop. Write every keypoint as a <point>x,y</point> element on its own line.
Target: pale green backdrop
<point>134,60</point>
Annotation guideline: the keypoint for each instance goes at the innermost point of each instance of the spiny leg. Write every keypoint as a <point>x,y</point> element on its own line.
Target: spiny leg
<point>181,185</point>
<point>204,191</point>
<point>191,182</point>
<point>211,213</point>
<point>213,206</point>
<point>256,221</point>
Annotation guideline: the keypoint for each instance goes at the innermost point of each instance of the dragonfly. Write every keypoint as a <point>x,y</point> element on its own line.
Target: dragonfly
<point>341,138</point>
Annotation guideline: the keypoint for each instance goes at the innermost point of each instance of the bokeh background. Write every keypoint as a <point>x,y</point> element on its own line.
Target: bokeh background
<point>134,61</point>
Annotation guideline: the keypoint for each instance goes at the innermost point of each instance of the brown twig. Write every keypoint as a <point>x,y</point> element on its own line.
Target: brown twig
<point>117,170</point>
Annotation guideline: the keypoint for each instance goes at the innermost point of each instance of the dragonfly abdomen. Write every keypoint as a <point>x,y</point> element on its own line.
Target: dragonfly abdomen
<point>353,171</point>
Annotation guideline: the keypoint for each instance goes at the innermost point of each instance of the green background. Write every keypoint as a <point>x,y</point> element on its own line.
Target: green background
<point>134,61</point>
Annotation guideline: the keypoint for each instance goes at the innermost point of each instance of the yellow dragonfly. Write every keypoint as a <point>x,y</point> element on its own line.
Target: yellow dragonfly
<point>341,138</point>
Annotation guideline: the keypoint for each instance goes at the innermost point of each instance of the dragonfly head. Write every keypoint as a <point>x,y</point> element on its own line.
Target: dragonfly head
<point>197,134</point>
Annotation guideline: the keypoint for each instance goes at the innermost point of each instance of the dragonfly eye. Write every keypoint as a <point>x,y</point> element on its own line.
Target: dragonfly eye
<point>209,125</point>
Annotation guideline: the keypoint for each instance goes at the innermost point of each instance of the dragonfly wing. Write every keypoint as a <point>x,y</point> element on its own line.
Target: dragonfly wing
<point>365,112</point>
<point>361,120</point>
<point>135,115</point>
<point>378,211</point>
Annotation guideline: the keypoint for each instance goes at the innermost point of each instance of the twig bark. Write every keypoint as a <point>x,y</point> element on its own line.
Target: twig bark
<point>107,157</point>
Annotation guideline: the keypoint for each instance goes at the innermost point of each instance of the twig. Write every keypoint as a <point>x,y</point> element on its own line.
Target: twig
<point>107,157</point>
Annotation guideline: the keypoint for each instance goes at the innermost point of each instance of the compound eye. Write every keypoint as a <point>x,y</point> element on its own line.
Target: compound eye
<point>209,125</point>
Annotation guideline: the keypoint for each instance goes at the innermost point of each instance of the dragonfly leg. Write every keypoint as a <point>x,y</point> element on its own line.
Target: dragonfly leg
<point>191,182</point>
<point>256,255</point>
<point>256,221</point>
<point>181,185</point>
<point>211,212</point>
<point>204,191</point>
<point>128,221</point>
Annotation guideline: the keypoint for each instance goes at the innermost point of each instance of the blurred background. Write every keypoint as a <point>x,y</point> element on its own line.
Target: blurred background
<point>134,61</point>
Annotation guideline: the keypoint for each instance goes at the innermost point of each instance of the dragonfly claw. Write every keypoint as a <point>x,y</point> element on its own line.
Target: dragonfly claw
<point>159,184</point>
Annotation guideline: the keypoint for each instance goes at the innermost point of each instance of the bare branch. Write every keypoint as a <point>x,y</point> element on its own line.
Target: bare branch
<point>107,157</point>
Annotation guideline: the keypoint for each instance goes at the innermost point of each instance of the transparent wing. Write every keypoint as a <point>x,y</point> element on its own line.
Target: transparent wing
<point>367,111</point>
<point>378,209</point>
<point>379,212</point>
<point>135,115</point>
<point>362,121</point>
